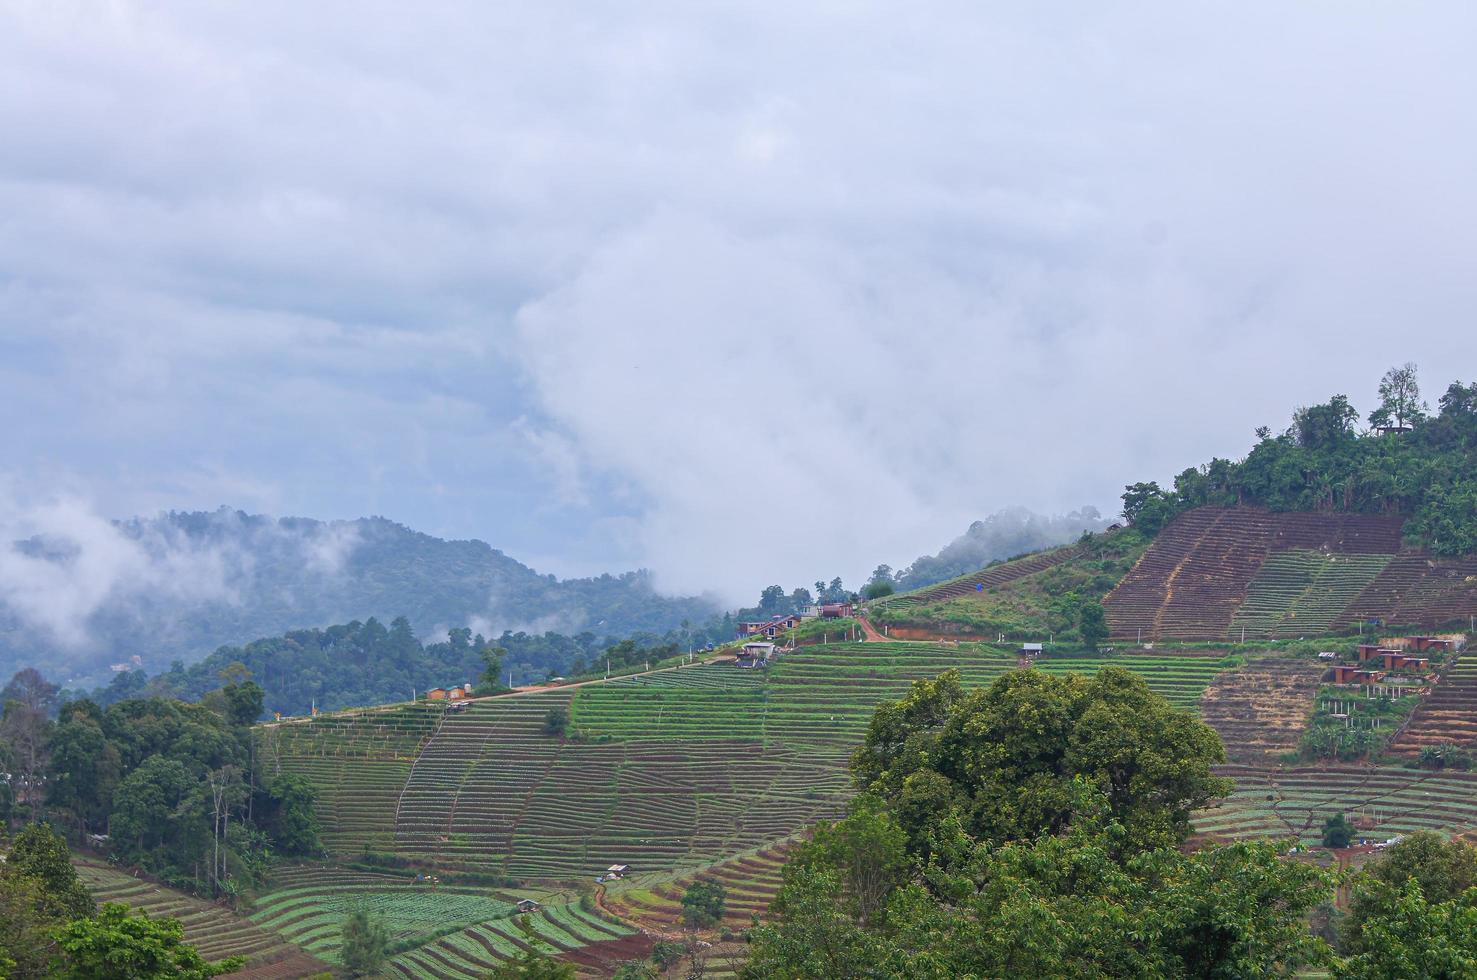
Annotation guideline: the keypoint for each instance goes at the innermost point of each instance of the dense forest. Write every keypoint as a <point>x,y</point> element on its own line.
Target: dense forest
<point>225,577</point>
<point>167,785</point>
<point>1407,460</point>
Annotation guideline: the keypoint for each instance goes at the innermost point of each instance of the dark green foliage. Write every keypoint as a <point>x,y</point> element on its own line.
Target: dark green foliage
<point>1004,759</point>
<point>1447,755</point>
<point>284,810</point>
<point>1092,625</point>
<point>668,953</point>
<point>1441,871</point>
<point>27,943</point>
<point>877,589</point>
<point>702,904</point>
<point>120,945</point>
<point>39,853</point>
<point>1337,831</point>
<point>1057,906</point>
<point>1322,463</point>
<point>1029,830</point>
<point>365,944</point>
<point>556,722</point>
<point>39,892</point>
<point>1408,934</point>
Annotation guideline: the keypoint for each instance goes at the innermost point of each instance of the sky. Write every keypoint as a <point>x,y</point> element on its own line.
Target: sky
<point>742,293</point>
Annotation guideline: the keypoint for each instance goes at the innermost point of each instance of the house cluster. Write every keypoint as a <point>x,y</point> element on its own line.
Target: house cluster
<point>1377,659</point>
<point>775,625</point>
<point>459,693</point>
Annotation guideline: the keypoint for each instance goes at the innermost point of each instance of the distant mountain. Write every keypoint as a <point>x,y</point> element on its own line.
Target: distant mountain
<point>180,585</point>
<point>1004,534</point>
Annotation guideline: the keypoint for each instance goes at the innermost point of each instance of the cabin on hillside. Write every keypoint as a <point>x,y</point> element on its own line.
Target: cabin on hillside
<point>1367,651</point>
<point>617,870</point>
<point>1403,661</point>
<point>1421,644</point>
<point>526,906</point>
<point>1350,674</point>
<point>436,694</point>
<point>1032,649</point>
<point>836,610</point>
<point>771,627</point>
<point>755,654</point>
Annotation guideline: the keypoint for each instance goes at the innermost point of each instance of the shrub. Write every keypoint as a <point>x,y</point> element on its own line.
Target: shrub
<point>556,722</point>
<point>1337,831</point>
<point>702,904</point>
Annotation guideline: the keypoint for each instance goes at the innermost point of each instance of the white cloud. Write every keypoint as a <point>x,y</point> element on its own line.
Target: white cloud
<point>748,293</point>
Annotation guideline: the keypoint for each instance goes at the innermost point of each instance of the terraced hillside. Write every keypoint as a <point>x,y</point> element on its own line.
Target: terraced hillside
<point>215,931</point>
<point>666,771</point>
<point>1448,714</point>
<point>1418,590</point>
<point>1260,710</point>
<point>750,881</point>
<point>1216,570</point>
<point>1302,593</point>
<point>1382,802</point>
<point>445,930</point>
<point>359,762</point>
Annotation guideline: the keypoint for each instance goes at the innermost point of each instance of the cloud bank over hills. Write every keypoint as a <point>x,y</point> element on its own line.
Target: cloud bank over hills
<point>731,293</point>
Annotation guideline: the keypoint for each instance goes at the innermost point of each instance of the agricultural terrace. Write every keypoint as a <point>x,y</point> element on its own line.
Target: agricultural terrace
<point>1382,802</point>
<point>358,761</point>
<point>445,930</point>
<point>215,931</point>
<point>665,771</point>
<point>1449,714</point>
<point>750,881</point>
<point>1261,710</point>
<point>1214,571</point>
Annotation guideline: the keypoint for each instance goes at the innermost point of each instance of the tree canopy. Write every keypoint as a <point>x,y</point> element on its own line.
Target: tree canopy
<point>1409,462</point>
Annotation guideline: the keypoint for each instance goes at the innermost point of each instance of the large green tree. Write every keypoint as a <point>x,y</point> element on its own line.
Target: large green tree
<point>1004,758</point>
<point>118,944</point>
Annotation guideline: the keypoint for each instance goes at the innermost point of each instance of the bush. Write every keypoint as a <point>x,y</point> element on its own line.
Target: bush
<point>702,904</point>
<point>557,720</point>
<point>1337,831</point>
<point>1447,755</point>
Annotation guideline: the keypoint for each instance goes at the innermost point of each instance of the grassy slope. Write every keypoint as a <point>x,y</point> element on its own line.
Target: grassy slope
<point>1030,606</point>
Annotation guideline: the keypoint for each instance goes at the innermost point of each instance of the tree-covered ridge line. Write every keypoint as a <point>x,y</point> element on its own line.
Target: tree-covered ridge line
<point>366,663</point>
<point>1408,461</point>
<point>262,576</point>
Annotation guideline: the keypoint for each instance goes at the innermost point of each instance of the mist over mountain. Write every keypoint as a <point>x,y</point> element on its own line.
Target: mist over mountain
<point>79,593</point>
<point>1004,534</point>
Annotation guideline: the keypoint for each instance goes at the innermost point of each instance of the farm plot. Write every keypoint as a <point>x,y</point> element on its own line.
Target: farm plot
<point>1382,802</point>
<point>1448,714</point>
<point>1261,709</point>
<point>311,914</point>
<point>667,772</point>
<point>215,931</point>
<point>358,762</point>
<point>576,931</point>
<point>1303,593</point>
<point>750,880</point>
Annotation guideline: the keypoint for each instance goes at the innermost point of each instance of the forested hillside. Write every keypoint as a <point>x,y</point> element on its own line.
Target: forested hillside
<point>267,576</point>
<point>1407,461</point>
